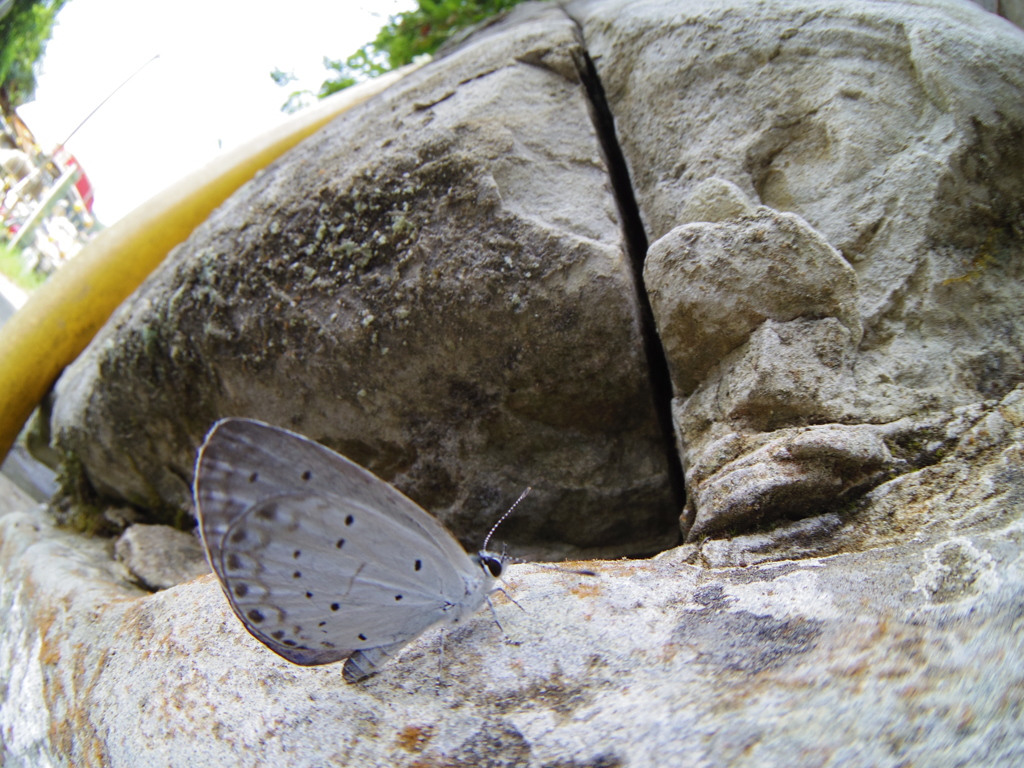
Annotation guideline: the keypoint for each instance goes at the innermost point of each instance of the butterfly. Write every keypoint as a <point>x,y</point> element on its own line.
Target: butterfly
<point>320,559</point>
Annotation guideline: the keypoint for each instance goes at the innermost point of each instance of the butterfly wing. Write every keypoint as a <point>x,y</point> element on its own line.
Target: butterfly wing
<point>244,460</point>
<point>317,556</point>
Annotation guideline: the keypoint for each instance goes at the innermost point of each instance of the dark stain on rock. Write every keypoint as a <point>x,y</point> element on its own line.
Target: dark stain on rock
<point>604,760</point>
<point>555,693</point>
<point>495,745</point>
<point>744,642</point>
<point>710,596</point>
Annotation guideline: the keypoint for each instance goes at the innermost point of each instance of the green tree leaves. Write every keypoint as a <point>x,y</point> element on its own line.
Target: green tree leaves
<point>405,36</point>
<point>24,32</point>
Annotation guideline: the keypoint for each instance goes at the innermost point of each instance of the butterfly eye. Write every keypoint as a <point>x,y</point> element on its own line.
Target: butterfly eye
<point>492,564</point>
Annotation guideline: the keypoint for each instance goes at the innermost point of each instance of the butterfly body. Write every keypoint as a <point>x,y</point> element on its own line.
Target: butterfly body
<point>320,559</point>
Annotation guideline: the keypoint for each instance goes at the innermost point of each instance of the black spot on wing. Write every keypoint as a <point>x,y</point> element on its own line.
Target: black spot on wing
<point>307,475</point>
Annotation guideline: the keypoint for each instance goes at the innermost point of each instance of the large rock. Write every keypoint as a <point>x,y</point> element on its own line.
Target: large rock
<point>835,198</point>
<point>437,286</point>
<point>902,648</point>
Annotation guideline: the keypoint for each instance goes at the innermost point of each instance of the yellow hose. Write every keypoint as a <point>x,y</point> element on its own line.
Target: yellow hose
<point>62,316</point>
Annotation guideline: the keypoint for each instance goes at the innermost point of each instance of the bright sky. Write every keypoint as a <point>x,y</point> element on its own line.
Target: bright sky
<point>209,91</point>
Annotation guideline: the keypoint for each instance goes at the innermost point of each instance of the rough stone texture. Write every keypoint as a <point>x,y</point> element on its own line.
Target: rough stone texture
<point>712,284</point>
<point>160,556</point>
<point>794,471</point>
<point>713,200</point>
<point>835,198</point>
<point>435,286</point>
<point>902,648</point>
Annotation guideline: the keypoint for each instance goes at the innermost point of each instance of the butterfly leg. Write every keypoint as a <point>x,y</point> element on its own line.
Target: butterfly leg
<point>494,615</point>
<point>509,598</point>
<point>361,664</point>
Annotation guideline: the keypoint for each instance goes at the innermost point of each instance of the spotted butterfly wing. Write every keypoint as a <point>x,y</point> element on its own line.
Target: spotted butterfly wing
<point>320,559</point>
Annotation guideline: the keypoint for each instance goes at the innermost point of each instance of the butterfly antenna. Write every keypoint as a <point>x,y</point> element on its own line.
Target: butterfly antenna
<point>501,519</point>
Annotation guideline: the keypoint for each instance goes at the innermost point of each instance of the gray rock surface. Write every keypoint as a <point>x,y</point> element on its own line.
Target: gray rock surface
<point>849,409</point>
<point>435,286</point>
<point>902,647</point>
<point>160,556</point>
<point>713,284</point>
<point>835,199</point>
